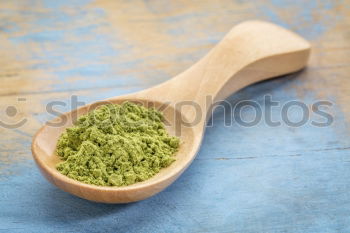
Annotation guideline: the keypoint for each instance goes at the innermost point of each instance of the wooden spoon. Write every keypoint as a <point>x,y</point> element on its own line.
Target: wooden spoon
<point>252,51</point>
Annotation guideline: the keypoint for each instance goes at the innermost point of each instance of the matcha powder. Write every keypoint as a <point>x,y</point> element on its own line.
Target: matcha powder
<point>116,145</point>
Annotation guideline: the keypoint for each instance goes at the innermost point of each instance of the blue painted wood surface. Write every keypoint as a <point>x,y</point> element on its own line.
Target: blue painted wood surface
<point>244,179</point>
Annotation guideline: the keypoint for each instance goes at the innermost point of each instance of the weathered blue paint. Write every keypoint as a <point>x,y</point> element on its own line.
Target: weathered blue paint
<point>305,193</point>
<point>244,179</point>
<point>304,17</point>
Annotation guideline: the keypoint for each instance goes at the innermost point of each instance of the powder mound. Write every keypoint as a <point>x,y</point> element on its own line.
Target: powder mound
<point>116,145</point>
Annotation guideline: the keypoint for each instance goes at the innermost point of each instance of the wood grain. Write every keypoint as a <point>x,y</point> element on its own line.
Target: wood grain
<point>267,179</point>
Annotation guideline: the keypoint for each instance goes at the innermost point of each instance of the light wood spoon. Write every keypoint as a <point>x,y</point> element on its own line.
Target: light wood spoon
<point>252,51</point>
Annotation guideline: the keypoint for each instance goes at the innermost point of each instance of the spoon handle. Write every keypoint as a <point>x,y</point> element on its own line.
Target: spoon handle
<point>252,51</point>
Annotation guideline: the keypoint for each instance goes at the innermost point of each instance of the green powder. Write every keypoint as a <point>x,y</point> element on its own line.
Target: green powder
<point>116,145</point>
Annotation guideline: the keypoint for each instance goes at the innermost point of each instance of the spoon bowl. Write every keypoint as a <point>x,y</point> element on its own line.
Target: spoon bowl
<point>252,51</point>
<point>44,147</point>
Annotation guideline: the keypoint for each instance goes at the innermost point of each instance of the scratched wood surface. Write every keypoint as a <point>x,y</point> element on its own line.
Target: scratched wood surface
<point>244,179</point>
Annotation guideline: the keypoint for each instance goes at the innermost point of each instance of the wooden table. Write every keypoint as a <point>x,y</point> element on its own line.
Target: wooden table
<point>244,179</point>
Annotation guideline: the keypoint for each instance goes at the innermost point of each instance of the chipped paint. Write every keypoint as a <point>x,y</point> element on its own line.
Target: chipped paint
<point>266,179</point>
